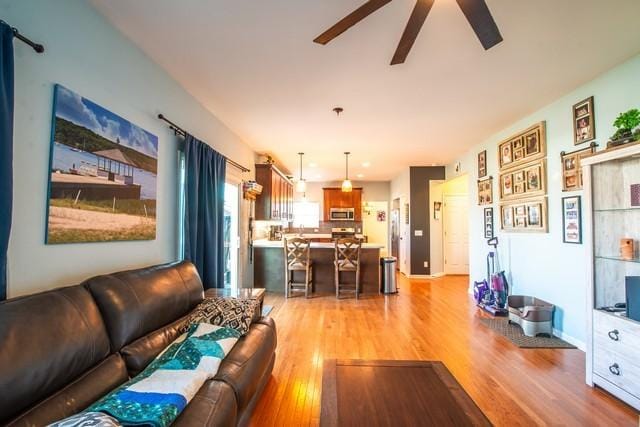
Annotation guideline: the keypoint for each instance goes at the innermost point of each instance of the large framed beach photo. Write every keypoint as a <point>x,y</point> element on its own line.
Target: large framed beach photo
<point>102,180</point>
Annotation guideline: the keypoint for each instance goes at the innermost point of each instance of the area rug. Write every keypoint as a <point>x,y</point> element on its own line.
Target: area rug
<point>266,309</point>
<point>514,334</point>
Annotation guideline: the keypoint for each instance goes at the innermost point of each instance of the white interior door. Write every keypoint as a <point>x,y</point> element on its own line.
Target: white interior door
<point>456,234</point>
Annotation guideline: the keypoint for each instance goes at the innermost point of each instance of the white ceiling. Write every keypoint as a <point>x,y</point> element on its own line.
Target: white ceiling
<point>254,65</point>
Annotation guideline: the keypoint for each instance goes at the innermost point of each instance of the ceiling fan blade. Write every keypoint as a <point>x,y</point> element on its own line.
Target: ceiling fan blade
<point>350,20</point>
<point>479,16</point>
<point>411,31</point>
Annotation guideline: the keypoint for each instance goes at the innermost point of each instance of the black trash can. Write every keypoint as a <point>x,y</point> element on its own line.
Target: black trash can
<point>388,275</point>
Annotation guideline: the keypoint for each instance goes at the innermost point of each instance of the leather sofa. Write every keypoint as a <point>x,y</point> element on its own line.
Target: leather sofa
<point>63,349</point>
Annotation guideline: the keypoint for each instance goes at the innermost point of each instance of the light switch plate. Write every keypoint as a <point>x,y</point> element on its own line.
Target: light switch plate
<point>417,232</point>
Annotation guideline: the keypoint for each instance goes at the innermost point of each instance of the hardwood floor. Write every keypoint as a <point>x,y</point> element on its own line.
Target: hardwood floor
<point>428,320</point>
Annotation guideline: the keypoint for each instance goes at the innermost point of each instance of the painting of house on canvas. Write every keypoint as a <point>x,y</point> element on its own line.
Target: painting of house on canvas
<point>102,181</point>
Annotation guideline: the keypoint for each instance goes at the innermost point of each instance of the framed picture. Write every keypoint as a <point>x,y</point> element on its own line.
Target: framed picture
<point>525,216</point>
<point>571,220</point>
<point>102,174</point>
<point>572,169</point>
<point>524,147</point>
<point>485,191</point>
<point>528,180</point>
<point>482,164</point>
<point>488,223</point>
<point>584,127</point>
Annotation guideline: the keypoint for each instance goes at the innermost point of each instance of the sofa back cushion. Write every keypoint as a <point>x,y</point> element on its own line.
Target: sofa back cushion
<point>136,302</point>
<point>47,341</point>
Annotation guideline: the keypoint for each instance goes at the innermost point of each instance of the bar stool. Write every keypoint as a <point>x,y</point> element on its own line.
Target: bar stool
<point>347,259</point>
<point>296,258</point>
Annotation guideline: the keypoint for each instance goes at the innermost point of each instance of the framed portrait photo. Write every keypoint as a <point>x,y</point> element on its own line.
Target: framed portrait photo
<point>584,127</point>
<point>571,220</point>
<point>482,164</point>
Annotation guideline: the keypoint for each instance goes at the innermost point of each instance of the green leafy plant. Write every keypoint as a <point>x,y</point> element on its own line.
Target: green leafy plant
<point>625,123</point>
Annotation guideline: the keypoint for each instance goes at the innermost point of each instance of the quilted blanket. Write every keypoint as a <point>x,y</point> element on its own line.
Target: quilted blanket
<point>161,392</point>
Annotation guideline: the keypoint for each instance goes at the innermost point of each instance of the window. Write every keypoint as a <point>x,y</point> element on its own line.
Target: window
<point>306,214</point>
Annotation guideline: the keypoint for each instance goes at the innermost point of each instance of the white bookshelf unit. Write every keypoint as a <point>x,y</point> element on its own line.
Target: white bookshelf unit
<point>613,340</point>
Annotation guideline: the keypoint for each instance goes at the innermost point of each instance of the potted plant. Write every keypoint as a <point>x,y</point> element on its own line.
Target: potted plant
<point>628,127</point>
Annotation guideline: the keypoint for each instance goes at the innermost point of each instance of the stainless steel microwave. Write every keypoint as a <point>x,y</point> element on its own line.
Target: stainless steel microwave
<point>342,214</point>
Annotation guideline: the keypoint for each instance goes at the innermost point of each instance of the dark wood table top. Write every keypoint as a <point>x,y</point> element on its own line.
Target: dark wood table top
<point>394,393</point>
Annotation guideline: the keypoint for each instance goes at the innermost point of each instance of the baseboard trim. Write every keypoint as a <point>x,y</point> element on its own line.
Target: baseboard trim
<point>571,340</point>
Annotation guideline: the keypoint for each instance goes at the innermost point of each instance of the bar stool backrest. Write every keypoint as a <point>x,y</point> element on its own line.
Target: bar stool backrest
<point>297,252</point>
<point>348,253</point>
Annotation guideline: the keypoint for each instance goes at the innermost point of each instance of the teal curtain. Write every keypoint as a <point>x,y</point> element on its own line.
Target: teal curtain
<point>203,226</point>
<point>6,148</point>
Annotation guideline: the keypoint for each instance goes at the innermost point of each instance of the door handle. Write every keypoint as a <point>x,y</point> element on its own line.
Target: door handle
<point>614,335</point>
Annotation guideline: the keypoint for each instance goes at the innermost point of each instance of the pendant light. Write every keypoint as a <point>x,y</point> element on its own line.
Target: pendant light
<point>301,185</point>
<point>346,184</point>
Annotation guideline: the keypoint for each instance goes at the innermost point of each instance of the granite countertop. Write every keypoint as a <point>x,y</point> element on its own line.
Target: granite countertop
<point>265,243</point>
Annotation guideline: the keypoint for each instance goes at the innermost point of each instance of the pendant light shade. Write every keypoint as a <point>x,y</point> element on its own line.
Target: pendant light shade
<point>346,184</point>
<point>301,185</point>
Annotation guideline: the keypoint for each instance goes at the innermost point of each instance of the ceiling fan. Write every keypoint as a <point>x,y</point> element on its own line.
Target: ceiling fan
<point>476,11</point>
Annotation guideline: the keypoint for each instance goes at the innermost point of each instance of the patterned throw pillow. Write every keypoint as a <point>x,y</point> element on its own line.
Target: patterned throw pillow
<point>227,312</point>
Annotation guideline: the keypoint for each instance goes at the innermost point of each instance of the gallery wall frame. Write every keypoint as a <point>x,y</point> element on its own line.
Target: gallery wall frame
<point>488,223</point>
<point>524,147</point>
<point>528,180</point>
<point>482,164</point>
<point>485,191</point>
<point>572,219</point>
<point>584,125</point>
<point>572,167</point>
<point>525,216</point>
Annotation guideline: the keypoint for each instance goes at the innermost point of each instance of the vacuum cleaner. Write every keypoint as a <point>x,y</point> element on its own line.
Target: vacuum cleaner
<point>491,293</point>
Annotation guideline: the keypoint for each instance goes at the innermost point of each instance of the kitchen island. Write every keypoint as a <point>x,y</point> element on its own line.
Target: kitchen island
<point>269,267</point>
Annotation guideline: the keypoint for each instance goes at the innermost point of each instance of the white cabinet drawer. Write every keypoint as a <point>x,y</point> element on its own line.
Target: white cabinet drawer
<point>617,335</point>
<point>619,370</point>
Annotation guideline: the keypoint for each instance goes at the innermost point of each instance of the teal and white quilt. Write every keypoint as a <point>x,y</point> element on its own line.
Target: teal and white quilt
<point>161,392</point>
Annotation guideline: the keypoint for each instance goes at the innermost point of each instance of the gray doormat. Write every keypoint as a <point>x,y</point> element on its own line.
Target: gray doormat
<point>514,334</point>
<point>266,309</point>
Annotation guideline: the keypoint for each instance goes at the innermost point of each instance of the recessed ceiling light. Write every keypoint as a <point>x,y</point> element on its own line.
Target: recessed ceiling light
<point>366,164</point>
<point>360,175</point>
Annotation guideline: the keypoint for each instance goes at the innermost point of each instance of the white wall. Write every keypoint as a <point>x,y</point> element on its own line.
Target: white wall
<point>401,189</point>
<point>87,55</point>
<point>540,264</point>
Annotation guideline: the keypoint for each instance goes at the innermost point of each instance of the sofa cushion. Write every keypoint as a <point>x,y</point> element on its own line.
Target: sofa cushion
<point>136,302</point>
<point>47,340</point>
<point>213,405</point>
<point>245,366</point>
<point>142,351</point>
<point>78,395</point>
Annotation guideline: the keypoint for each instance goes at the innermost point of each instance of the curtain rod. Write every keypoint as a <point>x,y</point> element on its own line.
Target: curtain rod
<point>36,46</point>
<point>179,131</point>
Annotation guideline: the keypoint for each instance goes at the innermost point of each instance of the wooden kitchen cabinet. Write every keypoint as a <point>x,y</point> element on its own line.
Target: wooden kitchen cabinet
<point>276,201</point>
<point>336,198</point>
